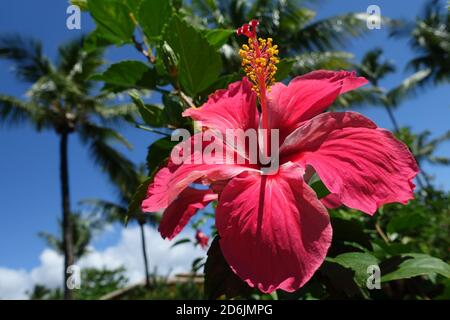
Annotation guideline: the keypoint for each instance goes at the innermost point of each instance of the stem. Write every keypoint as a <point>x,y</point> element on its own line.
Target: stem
<point>67,221</point>
<point>381,233</point>
<point>144,254</point>
<point>140,126</point>
<point>139,47</point>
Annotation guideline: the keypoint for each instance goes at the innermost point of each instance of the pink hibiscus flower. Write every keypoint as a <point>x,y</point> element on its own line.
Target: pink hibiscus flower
<point>202,239</point>
<point>274,231</point>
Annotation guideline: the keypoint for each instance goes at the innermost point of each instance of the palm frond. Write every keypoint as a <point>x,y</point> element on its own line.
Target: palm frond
<point>326,34</point>
<point>78,64</point>
<point>331,60</point>
<point>26,54</point>
<point>110,211</point>
<point>430,37</point>
<point>372,68</point>
<point>362,97</point>
<point>439,160</point>
<point>408,88</point>
<point>440,139</point>
<point>119,169</point>
<point>116,114</point>
<point>14,111</point>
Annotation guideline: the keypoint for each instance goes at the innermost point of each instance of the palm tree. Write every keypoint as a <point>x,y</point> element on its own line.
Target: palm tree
<point>424,148</point>
<point>83,230</point>
<point>374,70</point>
<point>430,39</point>
<point>309,44</point>
<point>60,99</point>
<point>119,212</point>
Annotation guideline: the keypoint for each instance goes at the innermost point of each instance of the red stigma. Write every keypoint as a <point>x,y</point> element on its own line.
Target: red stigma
<point>248,29</point>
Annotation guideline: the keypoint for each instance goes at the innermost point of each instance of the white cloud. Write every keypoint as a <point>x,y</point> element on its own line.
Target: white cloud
<point>127,252</point>
<point>13,283</point>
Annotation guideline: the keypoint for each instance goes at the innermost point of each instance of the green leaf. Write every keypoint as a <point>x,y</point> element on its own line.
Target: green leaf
<point>339,281</point>
<point>417,264</point>
<point>219,278</point>
<point>345,232</point>
<point>358,262</point>
<point>218,37</point>
<point>199,63</point>
<point>138,197</point>
<point>320,189</point>
<point>158,151</point>
<point>97,39</point>
<point>133,5</point>
<point>113,17</point>
<point>173,108</point>
<point>407,221</point>
<point>284,69</point>
<point>82,4</point>
<point>221,83</point>
<point>151,114</point>
<point>181,241</point>
<point>129,74</point>
<point>153,16</point>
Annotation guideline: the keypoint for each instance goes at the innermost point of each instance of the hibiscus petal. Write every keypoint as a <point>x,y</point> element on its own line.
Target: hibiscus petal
<point>363,165</point>
<point>307,96</point>
<point>170,181</point>
<point>180,211</point>
<point>232,108</point>
<point>331,201</point>
<point>274,232</point>
<point>156,198</point>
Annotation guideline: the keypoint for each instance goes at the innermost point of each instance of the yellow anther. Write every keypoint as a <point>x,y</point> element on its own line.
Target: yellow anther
<point>259,59</point>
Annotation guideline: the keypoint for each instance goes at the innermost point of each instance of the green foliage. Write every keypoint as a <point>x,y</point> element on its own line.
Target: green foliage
<point>113,19</point>
<point>188,52</point>
<point>158,152</point>
<point>199,63</point>
<point>218,37</point>
<point>417,264</point>
<point>320,189</point>
<point>358,262</point>
<point>128,74</point>
<point>84,227</point>
<point>138,197</point>
<point>429,37</point>
<point>219,279</point>
<point>95,283</point>
<point>153,15</point>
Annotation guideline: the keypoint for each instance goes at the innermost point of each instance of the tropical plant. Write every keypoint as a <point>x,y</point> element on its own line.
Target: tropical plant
<point>118,212</point>
<point>61,99</point>
<point>187,58</point>
<point>95,283</point>
<point>423,147</point>
<point>374,69</point>
<point>84,229</point>
<point>429,37</point>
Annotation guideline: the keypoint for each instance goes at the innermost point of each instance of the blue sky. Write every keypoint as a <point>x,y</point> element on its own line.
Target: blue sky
<point>29,181</point>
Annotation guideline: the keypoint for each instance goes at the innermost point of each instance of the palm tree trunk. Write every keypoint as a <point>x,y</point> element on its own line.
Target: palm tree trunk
<point>67,221</point>
<point>392,117</point>
<point>144,254</point>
